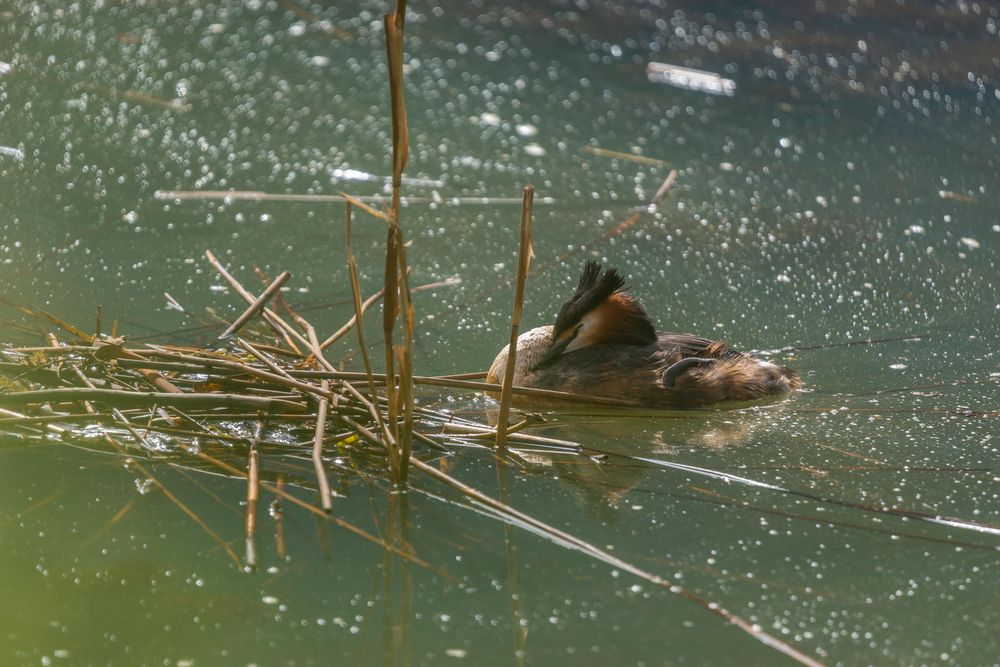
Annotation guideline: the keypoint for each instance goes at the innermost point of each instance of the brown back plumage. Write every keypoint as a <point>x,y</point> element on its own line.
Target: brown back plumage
<point>603,343</point>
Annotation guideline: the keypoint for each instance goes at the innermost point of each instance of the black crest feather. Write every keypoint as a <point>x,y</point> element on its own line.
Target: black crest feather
<point>593,288</point>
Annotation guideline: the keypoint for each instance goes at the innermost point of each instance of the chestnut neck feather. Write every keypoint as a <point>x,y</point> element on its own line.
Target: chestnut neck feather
<point>600,312</point>
<point>620,319</point>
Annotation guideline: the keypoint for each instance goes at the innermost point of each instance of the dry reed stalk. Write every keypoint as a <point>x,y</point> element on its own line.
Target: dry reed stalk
<point>158,381</point>
<point>370,301</point>
<point>11,416</point>
<point>447,381</point>
<point>174,303</point>
<point>279,523</point>
<point>253,495</point>
<point>390,311</point>
<point>41,314</point>
<point>394,24</point>
<point>315,353</point>
<point>358,202</point>
<point>359,312</point>
<point>665,188</point>
<point>198,364</point>
<point>387,439</point>
<point>342,331</point>
<point>254,195</point>
<point>405,361</point>
<point>131,399</point>
<point>484,433</point>
<point>524,253</point>
<point>276,351</point>
<point>257,305</point>
<point>396,288</point>
<point>263,358</point>
<point>317,452</point>
<point>475,375</point>
<point>405,355</point>
<point>437,447</point>
<point>571,541</point>
<point>619,155</point>
<point>274,320</point>
<point>310,389</point>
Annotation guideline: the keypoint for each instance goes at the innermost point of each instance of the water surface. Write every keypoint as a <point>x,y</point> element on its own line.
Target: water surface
<point>845,193</point>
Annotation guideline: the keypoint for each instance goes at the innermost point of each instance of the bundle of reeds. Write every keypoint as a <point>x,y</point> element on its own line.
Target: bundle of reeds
<point>244,409</point>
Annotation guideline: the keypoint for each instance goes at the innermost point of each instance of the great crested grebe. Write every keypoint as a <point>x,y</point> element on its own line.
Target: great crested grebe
<point>603,344</point>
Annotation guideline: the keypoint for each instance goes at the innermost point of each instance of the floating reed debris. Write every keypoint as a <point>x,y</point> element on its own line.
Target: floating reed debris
<point>192,406</point>
<point>619,155</point>
<point>254,195</point>
<point>255,307</point>
<point>253,494</point>
<point>370,441</point>
<point>317,454</point>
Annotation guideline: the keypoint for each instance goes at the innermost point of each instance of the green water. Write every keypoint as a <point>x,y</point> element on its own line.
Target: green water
<point>847,191</point>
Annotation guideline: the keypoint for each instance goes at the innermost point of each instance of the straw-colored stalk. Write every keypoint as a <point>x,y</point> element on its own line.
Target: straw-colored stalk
<point>524,253</point>
<point>257,196</point>
<point>359,313</point>
<point>278,515</point>
<point>397,295</point>
<point>404,353</point>
<point>132,399</point>
<point>317,453</point>
<point>275,321</point>
<point>182,362</point>
<point>257,305</point>
<point>390,312</point>
<point>253,495</point>
<point>342,331</point>
<point>400,132</point>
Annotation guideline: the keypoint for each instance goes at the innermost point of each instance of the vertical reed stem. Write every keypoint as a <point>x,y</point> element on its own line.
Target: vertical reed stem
<point>397,294</point>
<point>359,312</point>
<point>317,455</point>
<point>253,494</point>
<point>524,253</point>
<point>279,525</point>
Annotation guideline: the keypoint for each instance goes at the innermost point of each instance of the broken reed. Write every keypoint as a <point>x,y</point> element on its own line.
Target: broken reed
<point>524,254</point>
<point>397,304</point>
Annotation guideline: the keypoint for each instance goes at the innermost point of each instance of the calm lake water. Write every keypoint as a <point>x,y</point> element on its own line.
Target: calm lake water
<point>847,191</point>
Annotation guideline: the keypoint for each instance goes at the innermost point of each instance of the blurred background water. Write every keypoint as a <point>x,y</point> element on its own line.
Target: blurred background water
<point>846,191</point>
